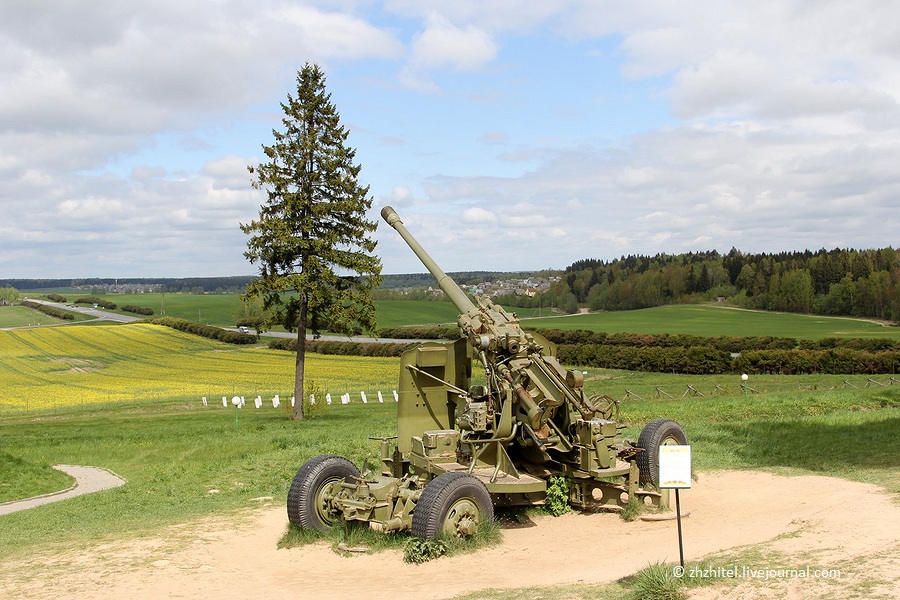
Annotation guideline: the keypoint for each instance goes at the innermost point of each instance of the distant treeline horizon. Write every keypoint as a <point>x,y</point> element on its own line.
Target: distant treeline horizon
<point>237,283</point>
<point>839,282</point>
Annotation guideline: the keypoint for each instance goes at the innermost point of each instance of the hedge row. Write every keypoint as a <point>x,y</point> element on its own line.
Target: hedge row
<point>98,301</point>
<point>49,310</point>
<point>723,343</point>
<point>420,333</point>
<point>138,310</point>
<point>207,331</point>
<point>666,340</point>
<point>695,360</point>
<point>343,348</point>
<point>707,360</point>
<point>56,298</point>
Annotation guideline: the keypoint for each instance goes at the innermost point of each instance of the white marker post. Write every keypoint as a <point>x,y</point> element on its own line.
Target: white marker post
<point>675,474</point>
<point>237,401</point>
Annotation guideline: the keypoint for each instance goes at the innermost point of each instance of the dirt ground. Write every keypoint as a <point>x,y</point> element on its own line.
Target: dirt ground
<point>808,524</point>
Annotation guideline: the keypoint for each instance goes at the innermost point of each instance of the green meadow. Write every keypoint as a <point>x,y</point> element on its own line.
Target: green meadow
<point>698,319</point>
<point>22,316</point>
<point>715,320</point>
<point>183,460</point>
<point>211,309</point>
<point>221,310</point>
<point>402,313</point>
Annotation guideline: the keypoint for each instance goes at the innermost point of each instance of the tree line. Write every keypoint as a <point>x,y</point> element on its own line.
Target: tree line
<point>839,282</point>
<point>188,285</point>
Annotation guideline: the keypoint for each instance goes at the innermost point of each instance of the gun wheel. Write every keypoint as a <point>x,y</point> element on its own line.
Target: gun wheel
<point>314,485</point>
<point>452,504</point>
<point>656,433</point>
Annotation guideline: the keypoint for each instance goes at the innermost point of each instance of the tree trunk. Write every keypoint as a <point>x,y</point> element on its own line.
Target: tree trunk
<point>302,318</point>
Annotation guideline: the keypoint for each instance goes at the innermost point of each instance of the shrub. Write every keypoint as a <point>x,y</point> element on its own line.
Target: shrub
<point>417,550</point>
<point>557,496</point>
<point>98,301</point>
<point>207,331</point>
<point>49,310</point>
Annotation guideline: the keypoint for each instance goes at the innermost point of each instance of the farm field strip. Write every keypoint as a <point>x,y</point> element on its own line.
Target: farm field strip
<point>48,368</point>
<point>717,321</point>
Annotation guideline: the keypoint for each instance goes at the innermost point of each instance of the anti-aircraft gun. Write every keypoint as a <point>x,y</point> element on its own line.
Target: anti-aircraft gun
<point>462,447</point>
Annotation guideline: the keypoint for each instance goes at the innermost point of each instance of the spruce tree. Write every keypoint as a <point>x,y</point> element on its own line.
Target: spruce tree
<point>312,240</point>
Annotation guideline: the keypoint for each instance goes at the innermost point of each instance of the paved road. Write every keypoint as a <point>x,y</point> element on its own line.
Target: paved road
<point>87,480</point>
<point>111,316</point>
<point>93,312</point>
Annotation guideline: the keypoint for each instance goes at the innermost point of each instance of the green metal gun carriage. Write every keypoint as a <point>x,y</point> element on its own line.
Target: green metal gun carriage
<point>462,448</point>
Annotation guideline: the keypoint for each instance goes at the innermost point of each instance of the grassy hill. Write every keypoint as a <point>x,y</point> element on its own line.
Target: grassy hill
<point>53,368</point>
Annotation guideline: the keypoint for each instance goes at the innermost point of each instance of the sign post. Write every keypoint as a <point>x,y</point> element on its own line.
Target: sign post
<point>675,474</point>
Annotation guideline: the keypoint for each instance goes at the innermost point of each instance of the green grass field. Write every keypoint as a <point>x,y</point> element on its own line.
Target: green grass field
<point>174,454</point>
<point>399,313</point>
<point>210,309</point>
<point>712,320</point>
<point>22,316</point>
<point>221,310</point>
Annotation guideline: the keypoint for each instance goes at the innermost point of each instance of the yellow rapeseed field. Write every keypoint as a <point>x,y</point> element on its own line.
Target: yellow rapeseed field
<point>53,367</point>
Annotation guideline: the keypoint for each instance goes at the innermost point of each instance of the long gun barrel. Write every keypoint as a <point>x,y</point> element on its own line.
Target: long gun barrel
<point>444,281</point>
<point>516,361</point>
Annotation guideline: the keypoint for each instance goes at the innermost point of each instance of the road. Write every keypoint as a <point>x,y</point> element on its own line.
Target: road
<point>118,318</point>
<point>92,312</point>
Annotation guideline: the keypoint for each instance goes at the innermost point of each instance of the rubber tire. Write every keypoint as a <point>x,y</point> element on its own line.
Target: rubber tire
<point>443,495</point>
<point>656,433</point>
<point>310,480</point>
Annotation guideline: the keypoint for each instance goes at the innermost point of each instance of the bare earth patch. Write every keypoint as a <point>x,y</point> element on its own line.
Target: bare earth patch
<point>790,522</point>
<point>79,365</point>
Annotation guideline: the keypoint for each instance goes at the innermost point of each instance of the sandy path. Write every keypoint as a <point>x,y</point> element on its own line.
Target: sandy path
<point>806,519</point>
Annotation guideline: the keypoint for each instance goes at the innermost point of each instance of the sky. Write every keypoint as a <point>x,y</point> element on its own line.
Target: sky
<point>509,135</point>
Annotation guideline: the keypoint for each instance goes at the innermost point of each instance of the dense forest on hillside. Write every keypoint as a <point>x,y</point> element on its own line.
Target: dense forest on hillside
<point>847,282</point>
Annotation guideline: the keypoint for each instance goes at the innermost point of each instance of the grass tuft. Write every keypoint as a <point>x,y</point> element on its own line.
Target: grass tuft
<point>633,509</point>
<point>656,581</point>
<point>352,538</point>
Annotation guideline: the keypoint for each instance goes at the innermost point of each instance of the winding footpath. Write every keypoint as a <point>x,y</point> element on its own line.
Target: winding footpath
<point>87,481</point>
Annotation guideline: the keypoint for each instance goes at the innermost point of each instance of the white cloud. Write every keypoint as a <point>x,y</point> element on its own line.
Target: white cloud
<point>478,216</point>
<point>442,44</point>
<point>333,34</point>
<point>401,196</point>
